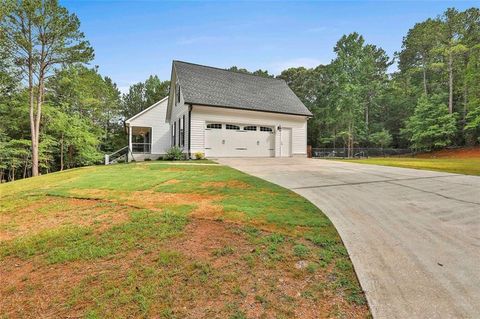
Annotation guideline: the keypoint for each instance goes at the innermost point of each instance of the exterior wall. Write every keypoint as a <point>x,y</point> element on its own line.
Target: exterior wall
<point>203,114</point>
<point>154,118</point>
<point>178,111</point>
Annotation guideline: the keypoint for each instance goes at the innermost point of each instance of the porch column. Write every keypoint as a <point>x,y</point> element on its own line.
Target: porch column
<point>129,154</point>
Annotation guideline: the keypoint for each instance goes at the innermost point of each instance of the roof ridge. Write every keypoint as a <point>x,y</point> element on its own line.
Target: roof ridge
<point>231,71</point>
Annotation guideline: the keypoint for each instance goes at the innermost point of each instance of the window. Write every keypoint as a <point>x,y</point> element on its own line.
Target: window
<point>141,139</point>
<point>266,129</point>
<point>232,127</point>
<point>250,128</point>
<point>178,93</point>
<point>174,130</point>
<point>182,131</point>
<point>214,125</point>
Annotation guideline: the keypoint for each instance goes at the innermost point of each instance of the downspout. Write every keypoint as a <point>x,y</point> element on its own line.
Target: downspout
<point>189,130</point>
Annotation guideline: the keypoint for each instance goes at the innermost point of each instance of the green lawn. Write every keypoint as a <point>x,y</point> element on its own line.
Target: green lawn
<point>469,166</point>
<point>163,240</point>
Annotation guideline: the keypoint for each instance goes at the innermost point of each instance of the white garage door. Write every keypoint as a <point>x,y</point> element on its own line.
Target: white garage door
<point>236,140</point>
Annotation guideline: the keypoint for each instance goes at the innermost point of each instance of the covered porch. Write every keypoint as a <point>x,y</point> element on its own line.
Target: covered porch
<point>140,139</point>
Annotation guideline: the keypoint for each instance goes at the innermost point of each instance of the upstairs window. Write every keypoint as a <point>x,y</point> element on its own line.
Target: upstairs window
<point>250,128</point>
<point>178,93</point>
<point>232,127</point>
<point>266,129</point>
<point>214,126</point>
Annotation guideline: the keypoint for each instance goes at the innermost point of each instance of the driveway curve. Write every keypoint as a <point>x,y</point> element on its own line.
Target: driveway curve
<point>413,235</point>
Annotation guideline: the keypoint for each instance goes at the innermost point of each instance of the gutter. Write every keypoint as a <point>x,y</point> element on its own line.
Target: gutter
<point>247,109</point>
<point>190,130</point>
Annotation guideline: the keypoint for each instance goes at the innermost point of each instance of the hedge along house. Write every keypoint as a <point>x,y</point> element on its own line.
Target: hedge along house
<point>221,113</point>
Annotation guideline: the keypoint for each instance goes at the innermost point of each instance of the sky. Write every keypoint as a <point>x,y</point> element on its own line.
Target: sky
<point>135,39</point>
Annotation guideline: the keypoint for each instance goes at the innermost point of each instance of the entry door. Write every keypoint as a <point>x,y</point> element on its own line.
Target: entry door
<point>286,142</point>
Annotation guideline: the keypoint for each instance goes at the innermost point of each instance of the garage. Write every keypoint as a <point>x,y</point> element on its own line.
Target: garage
<point>239,140</point>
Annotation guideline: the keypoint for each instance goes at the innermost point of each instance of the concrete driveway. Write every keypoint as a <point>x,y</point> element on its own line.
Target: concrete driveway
<point>413,236</point>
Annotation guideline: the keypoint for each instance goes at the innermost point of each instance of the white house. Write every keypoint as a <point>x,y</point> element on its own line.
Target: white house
<point>221,113</point>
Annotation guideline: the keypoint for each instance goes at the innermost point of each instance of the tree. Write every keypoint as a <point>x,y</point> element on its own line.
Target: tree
<point>472,119</point>
<point>417,49</point>
<point>452,46</point>
<point>259,72</point>
<point>382,138</point>
<point>142,95</point>
<point>358,77</point>
<point>78,90</point>
<point>42,34</point>
<point>431,126</point>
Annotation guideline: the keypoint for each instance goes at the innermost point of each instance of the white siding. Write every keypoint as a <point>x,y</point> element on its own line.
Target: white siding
<point>203,114</point>
<point>155,118</point>
<point>179,110</point>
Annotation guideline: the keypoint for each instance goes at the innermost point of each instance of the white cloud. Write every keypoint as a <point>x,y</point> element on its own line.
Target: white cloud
<point>278,67</point>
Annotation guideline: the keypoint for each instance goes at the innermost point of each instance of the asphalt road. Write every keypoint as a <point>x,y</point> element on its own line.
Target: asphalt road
<point>413,235</point>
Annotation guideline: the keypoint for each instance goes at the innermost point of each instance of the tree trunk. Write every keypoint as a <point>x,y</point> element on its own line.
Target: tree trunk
<point>32,124</point>
<point>425,81</point>
<point>450,83</point>
<point>31,91</point>
<point>61,153</point>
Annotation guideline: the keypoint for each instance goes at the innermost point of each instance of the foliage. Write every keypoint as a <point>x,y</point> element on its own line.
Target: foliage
<point>259,72</point>
<point>431,126</point>
<point>199,155</point>
<point>175,153</point>
<point>142,95</point>
<point>78,114</point>
<point>41,35</point>
<point>382,138</point>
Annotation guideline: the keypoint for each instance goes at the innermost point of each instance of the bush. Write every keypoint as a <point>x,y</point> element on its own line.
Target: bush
<point>175,154</point>
<point>199,155</point>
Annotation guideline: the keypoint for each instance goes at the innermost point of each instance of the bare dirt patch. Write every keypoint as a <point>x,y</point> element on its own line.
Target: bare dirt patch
<point>259,287</point>
<point>52,212</point>
<point>157,200</point>
<point>228,184</point>
<point>171,182</point>
<point>31,289</point>
<point>219,272</point>
<point>469,152</point>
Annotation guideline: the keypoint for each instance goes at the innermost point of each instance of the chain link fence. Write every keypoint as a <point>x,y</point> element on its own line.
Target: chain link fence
<point>359,152</point>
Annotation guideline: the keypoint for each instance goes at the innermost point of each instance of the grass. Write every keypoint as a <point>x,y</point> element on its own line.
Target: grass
<point>468,166</point>
<point>157,239</point>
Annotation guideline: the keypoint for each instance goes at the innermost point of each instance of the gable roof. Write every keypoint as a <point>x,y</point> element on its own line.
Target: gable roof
<point>146,110</point>
<point>205,85</point>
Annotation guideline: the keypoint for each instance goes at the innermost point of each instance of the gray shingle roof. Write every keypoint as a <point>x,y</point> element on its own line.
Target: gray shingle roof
<point>218,87</point>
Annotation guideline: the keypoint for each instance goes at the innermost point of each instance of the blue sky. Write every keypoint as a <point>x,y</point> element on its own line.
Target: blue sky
<point>133,39</point>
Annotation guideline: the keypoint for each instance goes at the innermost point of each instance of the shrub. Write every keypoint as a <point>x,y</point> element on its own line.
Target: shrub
<point>199,155</point>
<point>175,154</point>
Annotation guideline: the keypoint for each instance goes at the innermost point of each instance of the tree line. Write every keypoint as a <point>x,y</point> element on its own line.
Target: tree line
<point>431,101</point>
<point>57,112</point>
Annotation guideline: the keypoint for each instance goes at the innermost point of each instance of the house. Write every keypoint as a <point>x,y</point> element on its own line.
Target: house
<point>221,113</point>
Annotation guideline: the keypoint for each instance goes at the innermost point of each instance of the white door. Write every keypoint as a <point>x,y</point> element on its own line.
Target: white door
<point>236,140</point>
<point>286,142</point>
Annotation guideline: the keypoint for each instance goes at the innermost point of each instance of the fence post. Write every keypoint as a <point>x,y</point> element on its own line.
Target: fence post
<point>107,159</point>
<point>309,151</point>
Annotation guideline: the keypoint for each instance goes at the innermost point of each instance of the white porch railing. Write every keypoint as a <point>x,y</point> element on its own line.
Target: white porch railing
<point>117,156</point>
